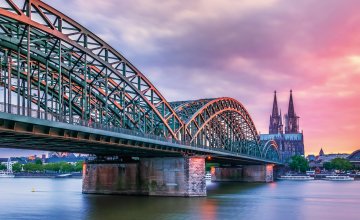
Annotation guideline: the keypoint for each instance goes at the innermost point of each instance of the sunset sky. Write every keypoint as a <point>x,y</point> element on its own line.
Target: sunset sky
<point>245,49</point>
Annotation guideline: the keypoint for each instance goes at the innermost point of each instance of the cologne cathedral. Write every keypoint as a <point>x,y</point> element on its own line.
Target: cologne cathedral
<point>289,140</point>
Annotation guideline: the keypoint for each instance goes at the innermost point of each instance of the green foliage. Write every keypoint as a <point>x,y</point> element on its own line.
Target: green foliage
<point>33,167</point>
<point>38,161</point>
<point>299,163</point>
<point>327,166</point>
<point>16,167</point>
<point>338,164</point>
<point>60,167</point>
<point>38,166</point>
<point>3,167</point>
<point>79,166</point>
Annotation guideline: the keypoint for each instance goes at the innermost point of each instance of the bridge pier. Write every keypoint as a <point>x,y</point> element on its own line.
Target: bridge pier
<point>170,176</point>
<point>248,173</point>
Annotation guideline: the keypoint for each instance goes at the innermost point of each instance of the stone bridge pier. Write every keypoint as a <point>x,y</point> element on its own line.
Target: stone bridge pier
<point>163,176</point>
<point>245,173</point>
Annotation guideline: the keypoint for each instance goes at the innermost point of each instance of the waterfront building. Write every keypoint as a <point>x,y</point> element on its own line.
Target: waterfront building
<point>354,158</point>
<point>324,158</point>
<point>289,140</point>
<point>9,162</point>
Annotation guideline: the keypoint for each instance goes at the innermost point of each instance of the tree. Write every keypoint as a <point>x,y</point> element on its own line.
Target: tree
<point>78,166</point>
<point>33,167</point>
<point>66,167</point>
<point>299,163</point>
<point>3,167</point>
<point>338,164</point>
<point>16,167</point>
<point>327,166</point>
<point>38,161</point>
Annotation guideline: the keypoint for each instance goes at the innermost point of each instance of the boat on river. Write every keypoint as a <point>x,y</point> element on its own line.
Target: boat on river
<point>295,177</point>
<point>6,174</point>
<point>339,178</point>
<point>65,175</point>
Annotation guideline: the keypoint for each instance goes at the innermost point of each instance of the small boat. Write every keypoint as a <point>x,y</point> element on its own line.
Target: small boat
<point>6,174</point>
<point>339,178</point>
<point>208,176</point>
<point>290,177</point>
<point>310,172</point>
<point>66,175</point>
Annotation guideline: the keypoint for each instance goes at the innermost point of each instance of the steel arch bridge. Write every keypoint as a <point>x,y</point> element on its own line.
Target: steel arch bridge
<point>54,69</point>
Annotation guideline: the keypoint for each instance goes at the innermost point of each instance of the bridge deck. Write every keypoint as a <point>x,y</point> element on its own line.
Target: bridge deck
<point>25,132</point>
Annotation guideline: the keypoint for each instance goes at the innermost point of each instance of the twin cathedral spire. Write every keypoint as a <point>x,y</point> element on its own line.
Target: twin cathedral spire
<point>291,119</point>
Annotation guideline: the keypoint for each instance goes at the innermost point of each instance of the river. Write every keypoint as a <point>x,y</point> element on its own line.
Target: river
<point>62,199</point>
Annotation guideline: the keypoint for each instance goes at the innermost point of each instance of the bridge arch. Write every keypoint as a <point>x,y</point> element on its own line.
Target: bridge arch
<point>222,123</point>
<point>271,151</point>
<point>83,76</point>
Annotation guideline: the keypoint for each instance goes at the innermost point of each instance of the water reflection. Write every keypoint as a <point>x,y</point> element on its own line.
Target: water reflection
<point>224,200</point>
<point>62,199</point>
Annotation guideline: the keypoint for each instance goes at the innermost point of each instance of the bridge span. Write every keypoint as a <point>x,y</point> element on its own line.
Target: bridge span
<point>65,89</point>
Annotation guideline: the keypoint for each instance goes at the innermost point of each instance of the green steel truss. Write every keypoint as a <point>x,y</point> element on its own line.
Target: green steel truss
<point>52,64</point>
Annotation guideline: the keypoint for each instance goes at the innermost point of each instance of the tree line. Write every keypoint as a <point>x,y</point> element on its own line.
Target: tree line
<point>300,164</point>
<point>38,166</point>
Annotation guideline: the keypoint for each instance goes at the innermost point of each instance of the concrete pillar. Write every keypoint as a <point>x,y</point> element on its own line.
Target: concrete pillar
<point>258,173</point>
<point>111,178</point>
<point>248,173</point>
<point>226,174</point>
<point>150,176</point>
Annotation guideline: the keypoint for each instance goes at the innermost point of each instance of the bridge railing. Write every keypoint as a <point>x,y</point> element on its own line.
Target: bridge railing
<point>41,114</point>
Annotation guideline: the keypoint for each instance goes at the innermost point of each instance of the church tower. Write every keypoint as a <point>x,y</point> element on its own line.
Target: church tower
<point>290,142</point>
<point>275,125</point>
<point>291,119</point>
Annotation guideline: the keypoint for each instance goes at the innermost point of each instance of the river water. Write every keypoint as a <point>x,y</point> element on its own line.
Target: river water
<point>62,199</point>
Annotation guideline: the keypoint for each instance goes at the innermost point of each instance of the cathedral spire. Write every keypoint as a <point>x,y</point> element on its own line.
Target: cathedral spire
<point>275,111</point>
<point>291,119</point>
<point>275,125</point>
<point>291,110</point>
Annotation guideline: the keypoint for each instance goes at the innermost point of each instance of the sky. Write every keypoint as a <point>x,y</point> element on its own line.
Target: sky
<point>244,49</point>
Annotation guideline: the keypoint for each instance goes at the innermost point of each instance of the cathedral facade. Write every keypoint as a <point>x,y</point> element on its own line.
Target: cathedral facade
<point>289,140</point>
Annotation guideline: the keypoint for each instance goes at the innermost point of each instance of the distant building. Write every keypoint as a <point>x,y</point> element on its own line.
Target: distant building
<point>354,158</point>
<point>3,160</point>
<point>9,162</point>
<point>290,142</point>
<point>311,157</point>
<point>324,158</point>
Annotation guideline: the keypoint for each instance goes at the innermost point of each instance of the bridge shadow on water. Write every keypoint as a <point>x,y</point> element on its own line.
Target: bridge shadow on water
<point>221,198</point>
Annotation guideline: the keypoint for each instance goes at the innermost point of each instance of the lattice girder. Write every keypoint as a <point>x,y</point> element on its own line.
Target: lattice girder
<point>96,54</point>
